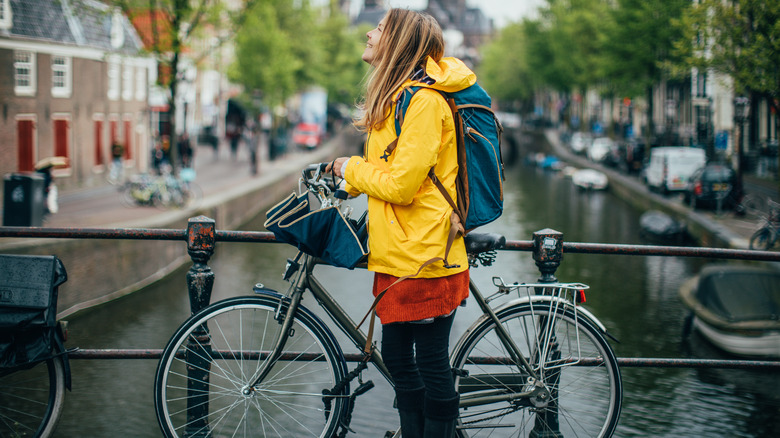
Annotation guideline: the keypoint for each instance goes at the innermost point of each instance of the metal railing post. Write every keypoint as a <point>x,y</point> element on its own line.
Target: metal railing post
<point>548,253</point>
<point>201,242</point>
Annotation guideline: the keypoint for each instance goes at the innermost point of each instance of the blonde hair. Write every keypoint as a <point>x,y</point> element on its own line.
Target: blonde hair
<point>408,39</point>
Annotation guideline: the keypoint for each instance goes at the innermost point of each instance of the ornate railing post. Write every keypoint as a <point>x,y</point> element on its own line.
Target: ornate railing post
<point>201,241</point>
<point>548,253</point>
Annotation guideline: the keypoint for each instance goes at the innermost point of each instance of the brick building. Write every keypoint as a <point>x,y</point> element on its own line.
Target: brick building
<point>72,81</point>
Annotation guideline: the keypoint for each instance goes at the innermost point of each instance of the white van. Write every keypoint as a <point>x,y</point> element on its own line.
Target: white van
<point>670,167</point>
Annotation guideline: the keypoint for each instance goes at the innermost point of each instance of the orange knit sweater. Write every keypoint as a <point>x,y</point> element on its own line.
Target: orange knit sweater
<point>415,299</point>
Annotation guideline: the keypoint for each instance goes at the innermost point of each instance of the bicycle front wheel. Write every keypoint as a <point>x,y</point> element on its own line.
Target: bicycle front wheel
<point>203,385</point>
<point>31,399</point>
<point>578,392</point>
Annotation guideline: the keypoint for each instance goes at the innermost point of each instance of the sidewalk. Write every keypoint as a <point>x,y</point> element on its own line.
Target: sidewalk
<point>217,177</point>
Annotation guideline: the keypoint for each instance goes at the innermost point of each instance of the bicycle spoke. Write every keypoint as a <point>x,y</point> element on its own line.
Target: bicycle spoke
<point>287,402</point>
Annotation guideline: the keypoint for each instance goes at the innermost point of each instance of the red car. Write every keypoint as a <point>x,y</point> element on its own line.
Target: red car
<point>307,135</point>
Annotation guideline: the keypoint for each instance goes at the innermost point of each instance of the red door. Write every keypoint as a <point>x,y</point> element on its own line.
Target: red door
<point>26,154</point>
<point>128,134</point>
<point>99,143</point>
<point>61,130</point>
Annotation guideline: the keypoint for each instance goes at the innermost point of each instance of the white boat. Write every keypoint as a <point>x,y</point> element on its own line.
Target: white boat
<point>590,179</point>
<point>736,308</point>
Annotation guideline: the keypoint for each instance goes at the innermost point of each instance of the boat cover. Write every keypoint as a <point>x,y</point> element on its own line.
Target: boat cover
<point>740,293</point>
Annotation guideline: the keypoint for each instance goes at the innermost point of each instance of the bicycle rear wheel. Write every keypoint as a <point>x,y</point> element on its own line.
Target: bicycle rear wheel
<point>31,399</point>
<point>240,331</point>
<point>761,239</point>
<point>576,399</point>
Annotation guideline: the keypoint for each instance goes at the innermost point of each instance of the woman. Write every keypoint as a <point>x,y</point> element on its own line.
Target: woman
<point>409,219</point>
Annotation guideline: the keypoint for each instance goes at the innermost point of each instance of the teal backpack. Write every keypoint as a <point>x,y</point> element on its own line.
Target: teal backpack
<point>480,181</point>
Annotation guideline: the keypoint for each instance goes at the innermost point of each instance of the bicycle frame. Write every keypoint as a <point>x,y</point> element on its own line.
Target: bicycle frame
<point>305,279</point>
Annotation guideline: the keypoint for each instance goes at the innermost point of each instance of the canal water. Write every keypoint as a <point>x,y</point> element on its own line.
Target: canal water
<point>634,296</point>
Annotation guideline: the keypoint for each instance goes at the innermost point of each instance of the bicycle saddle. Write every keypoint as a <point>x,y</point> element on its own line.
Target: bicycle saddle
<point>482,242</point>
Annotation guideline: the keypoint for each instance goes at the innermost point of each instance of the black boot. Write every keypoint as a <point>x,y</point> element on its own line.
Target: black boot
<point>410,411</point>
<point>440,417</point>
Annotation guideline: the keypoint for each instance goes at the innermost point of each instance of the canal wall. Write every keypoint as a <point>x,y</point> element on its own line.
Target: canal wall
<point>102,270</point>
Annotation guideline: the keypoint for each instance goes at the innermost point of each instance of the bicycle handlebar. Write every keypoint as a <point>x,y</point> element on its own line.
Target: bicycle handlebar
<point>317,180</point>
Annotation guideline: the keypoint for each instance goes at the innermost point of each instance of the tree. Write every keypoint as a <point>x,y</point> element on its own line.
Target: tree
<point>342,68</point>
<point>637,45</point>
<point>168,27</point>
<point>505,71</point>
<point>738,38</point>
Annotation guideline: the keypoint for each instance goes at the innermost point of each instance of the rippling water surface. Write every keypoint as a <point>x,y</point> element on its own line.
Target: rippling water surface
<point>635,297</point>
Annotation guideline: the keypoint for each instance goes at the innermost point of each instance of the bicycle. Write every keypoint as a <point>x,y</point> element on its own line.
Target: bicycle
<point>164,191</point>
<point>265,365</point>
<point>767,234</point>
<point>34,368</point>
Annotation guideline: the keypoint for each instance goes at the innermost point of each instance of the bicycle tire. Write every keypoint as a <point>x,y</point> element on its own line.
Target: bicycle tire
<point>761,239</point>
<point>589,395</point>
<point>288,403</point>
<point>31,399</point>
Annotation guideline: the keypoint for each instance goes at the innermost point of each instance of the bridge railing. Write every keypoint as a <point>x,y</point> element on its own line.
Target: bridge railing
<point>547,248</point>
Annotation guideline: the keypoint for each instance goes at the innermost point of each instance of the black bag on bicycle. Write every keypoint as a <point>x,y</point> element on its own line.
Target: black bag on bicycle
<point>325,233</point>
<point>28,308</point>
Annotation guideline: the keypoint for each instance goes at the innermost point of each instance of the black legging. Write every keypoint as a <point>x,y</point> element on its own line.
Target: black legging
<point>430,367</point>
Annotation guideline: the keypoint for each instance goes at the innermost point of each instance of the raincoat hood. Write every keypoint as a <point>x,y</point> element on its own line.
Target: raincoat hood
<point>449,75</point>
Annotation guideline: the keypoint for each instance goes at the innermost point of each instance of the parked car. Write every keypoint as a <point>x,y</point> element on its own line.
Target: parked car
<point>579,142</point>
<point>307,135</point>
<point>600,149</point>
<point>711,183</point>
<point>670,167</point>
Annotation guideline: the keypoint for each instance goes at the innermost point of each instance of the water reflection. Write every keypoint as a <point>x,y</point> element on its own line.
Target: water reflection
<point>634,296</point>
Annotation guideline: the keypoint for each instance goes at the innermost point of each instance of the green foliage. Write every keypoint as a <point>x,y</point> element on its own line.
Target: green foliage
<point>639,43</point>
<point>505,71</point>
<point>286,46</point>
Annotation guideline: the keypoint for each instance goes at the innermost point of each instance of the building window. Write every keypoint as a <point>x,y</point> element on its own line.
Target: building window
<point>114,70</point>
<point>127,82</point>
<point>140,84</point>
<point>24,73</point>
<point>60,76</point>
<point>6,17</point>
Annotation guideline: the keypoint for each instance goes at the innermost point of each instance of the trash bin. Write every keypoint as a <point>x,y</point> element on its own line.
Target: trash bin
<point>23,199</point>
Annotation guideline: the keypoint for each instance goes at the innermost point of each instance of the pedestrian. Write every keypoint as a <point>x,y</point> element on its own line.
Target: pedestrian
<point>409,218</point>
<point>185,150</point>
<point>115,172</point>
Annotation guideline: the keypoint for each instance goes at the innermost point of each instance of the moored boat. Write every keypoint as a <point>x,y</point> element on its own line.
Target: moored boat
<point>590,179</point>
<point>736,308</point>
<point>659,227</point>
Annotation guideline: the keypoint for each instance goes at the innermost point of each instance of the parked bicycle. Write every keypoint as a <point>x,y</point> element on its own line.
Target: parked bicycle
<point>163,191</point>
<point>767,234</point>
<point>535,363</point>
<point>34,368</point>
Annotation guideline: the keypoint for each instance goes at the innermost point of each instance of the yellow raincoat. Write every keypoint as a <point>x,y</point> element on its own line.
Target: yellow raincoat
<point>408,218</point>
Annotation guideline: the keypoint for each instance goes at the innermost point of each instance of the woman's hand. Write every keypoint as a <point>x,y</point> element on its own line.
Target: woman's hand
<point>336,166</point>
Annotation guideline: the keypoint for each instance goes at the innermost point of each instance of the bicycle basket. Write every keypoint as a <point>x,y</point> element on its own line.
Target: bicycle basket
<point>325,233</point>
<point>28,307</point>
